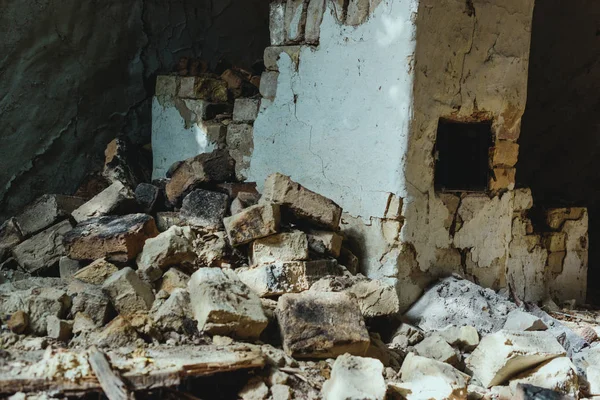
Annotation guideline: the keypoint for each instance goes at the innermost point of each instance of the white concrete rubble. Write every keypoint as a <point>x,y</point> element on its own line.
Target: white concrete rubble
<point>355,378</point>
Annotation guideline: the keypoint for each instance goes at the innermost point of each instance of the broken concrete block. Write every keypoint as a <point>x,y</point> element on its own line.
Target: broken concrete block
<point>255,389</point>
<point>115,199</point>
<point>272,54</point>
<point>314,17</point>
<point>44,250</point>
<point>504,354</point>
<point>555,241</point>
<point>303,203</point>
<point>118,239</point>
<point>268,84</point>
<point>279,277</point>
<point>358,11</point>
<point>277,22</point>
<point>424,378</point>
<point>223,305</point>
<point>147,195</point>
<point>67,267</point>
<point>204,209</point>
<point>214,167</point>
<point>558,374</point>
<point>97,272</point>
<point>18,322</point>
<point>90,300</point>
<point>174,246</point>
<point>436,348</point>
<point>505,153</point>
<point>295,20</point>
<point>406,335</point>
<point>240,143</point>
<point>167,219</point>
<point>172,313</point>
<point>242,201</point>
<point>245,110</point>
<point>281,392</point>
<point>465,338</point>
<point>212,250</point>
<point>117,333</point>
<point>45,211</point>
<point>83,323</point>
<point>518,320</point>
<point>128,293</point>
<point>502,179</point>
<point>10,236</point>
<point>325,242</point>
<point>59,329</point>
<point>174,279</point>
<point>355,378</point>
<point>252,223</point>
<point>522,199</point>
<point>287,246</point>
<point>321,325</point>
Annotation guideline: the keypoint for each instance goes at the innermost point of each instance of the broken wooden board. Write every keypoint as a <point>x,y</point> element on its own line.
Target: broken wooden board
<point>142,369</point>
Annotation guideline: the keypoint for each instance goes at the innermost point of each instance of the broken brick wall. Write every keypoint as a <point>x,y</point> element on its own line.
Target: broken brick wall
<point>559,146</point>
<point>77,73</point>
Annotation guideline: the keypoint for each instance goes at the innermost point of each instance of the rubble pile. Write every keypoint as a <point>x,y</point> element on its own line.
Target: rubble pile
<point>141,286</point>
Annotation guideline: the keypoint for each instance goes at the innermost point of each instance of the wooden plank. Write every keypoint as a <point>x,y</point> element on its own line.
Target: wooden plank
<point>113,386</point>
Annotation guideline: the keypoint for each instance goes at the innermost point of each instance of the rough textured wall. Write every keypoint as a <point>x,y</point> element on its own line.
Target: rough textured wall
<point>74,74</point>
<point>560,150</point>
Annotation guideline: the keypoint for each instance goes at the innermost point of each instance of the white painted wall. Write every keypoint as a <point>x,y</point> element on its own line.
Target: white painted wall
<point>339,123</point>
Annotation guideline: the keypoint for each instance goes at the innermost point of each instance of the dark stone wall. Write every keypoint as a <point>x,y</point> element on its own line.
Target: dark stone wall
<point>560,136</point>
<point>75,73</point>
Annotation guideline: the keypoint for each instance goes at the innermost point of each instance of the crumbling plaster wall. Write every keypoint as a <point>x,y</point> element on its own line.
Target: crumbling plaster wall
<point>74,74</point>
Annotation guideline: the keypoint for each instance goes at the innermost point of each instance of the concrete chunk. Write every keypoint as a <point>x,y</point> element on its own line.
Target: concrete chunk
<point>97,272</point>
<point>558,374</point>
<point>355,378</point>
<point>325,242</point>
<point>44,250</point>
<point>321,325</point>
<point>464,337</point>
<point>223,305</point>
<point>436,348</point>
<point>128,293</point>
<point>287,246</point>
<point>268,84</point>
<point>115,199</point>
<point>119,239</point>
<point>504,354</point>
<point>518,320</point>
<point>59,329</point>
<point>171,314</point>
<point>175,246</point>
<point>252,223</point>
<point>45,211</point>
<point>174,279</point>
<point>90,300</point>
<point>67,267</point>
<point>304,204</point>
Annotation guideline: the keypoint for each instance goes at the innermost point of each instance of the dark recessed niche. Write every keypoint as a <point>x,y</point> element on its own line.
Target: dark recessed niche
<point>462,155</point>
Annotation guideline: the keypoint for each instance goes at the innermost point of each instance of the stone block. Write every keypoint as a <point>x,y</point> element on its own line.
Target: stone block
<point>166,86</point>
<point>558,374</point>
<point>555,241</point>
<point>97,272</point>
<point>321,325</point>
<point>115,199</point>
<point>10,236</point>
<point>358,12</point>
<point>252,223</point>
<point>243,201</point>
<point>503,179</point>
<point>171,315</point>
<point>205,209</point>
<point>91,301</point>
<point>238,83</point>
<point>46,211</point>
<point>314,17</point>
<point>240,143</point>
<point>504,354</point>
<point>464,337</point>
<point>295,20</point>
<point>505,153</point>
<point>245,110</point>
<point>268,84</point>
<point>556,261</point>
<point>355,378</point>
<point>18,322</point>
<point>167,219</point>
<point>522,199</point>
<point>325,242</point>
<point>213,167</point>
<point>44,250</point>
<point>67,267</point>
<point>146,196</point>
<point>173,247</point>
<point>518,320</point>
<point>272,54</point>
<point>59,329</point>
<point>119,239</point>
<point>203,87</point>
<point>556,217</point>
<point>304,204</point>
<point>277,22</point>
<point>128,293</point>
<point>125,163</point>
<point>436,348</point>
<point>174,279</point>
<point>287,246</point>
<point>223,305</point>
<point>118,333</point>
<point>212,250</point>
<point>281,277</point>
